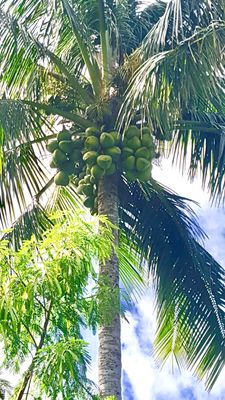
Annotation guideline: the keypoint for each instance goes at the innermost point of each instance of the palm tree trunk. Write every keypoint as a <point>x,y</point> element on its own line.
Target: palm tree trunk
<point>109,357</point>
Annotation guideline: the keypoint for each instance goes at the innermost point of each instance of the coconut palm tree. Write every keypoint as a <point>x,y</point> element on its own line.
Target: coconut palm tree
<point>108,65</point>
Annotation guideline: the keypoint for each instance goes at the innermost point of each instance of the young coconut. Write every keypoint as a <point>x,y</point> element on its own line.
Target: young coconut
<point>61,179</point>
<point>104,161</point>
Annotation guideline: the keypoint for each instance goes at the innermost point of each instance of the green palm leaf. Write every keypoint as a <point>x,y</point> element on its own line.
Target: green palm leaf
<point>34,221</point>
<point>180,20</point>
<point>22,68</point>
<point>189,282</point>
<point>173,80</point>
<point>199,144</point>
<point>22,172</point>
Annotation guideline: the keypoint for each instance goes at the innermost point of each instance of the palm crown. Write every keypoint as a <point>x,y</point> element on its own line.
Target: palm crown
<point>112,63</point>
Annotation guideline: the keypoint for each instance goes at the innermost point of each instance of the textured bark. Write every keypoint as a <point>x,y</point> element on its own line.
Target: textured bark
<point>109,357</point>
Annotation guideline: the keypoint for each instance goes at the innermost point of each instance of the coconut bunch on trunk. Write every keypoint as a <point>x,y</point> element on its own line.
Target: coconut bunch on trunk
<point>88,156</point>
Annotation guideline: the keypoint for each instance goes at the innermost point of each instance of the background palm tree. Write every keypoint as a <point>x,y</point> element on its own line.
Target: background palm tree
<point>113,63</point>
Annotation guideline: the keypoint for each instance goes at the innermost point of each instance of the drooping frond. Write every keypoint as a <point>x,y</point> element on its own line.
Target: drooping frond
<point>188,281</point>
<point>131,275</point>
<point>199,145</point>
<point>22,172</point>
<point>23,176</point>
<point>19,124</point>
<point>33,222</point>
<point>64,199</point>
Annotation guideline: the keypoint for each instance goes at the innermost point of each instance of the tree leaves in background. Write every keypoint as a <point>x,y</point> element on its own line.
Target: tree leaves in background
<point>45,303</point>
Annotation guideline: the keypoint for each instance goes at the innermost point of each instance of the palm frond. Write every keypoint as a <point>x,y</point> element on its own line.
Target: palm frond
<point>33,222</point>
<point>181,19</point>
<point>4,387</point>
<point>173,81</point>
<point>188,281</point>
<point>131,275</point>
<point>23,176</point>
<point>19,124</point>
<point>80,121</point>
<point>199,145</point>
<point>64,198</point>
<point>83,41</point>
<point>22,55</point>
<point>21,151</point>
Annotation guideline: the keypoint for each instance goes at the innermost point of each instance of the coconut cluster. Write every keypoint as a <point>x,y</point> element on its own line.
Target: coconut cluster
<point>89,155</point>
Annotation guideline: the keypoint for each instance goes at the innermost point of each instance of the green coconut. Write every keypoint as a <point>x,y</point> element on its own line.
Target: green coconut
<point>116,137</point>
<point>126,152</point>
<point>52,146</point>
<point>129,163</point>
<point>67,167</point>
<point>66,146</point>
<point>89,202</point>
<point>90,157</point>
<point>78,142</point>
<point>142,152</point>
<point>111,170</point>
<point>59,157</point>
<point>142,164</point>
<point>147,140</point>
<point>97,172</point>
<point>88,189</point>
<point>91,143</point>
<point>61,179</point>
<point>144,176</point>
<point>114,152</point>
<point>92,131</point>
<point>107,140</point>
<point>104,161</point>
<point>131,175</point>
<point>52,163</point>
<point>152,153</point>
<point>134,143</point>
<point>64,135</point>
<point>132,131</point>
<point>146,130</point>
<point>75,156</point>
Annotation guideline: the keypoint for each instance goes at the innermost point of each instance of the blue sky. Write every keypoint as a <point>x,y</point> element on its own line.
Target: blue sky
<point>142,379</point>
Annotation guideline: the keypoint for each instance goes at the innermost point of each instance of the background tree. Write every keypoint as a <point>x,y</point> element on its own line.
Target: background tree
<point>108,64</point>
<point>45,305</point>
